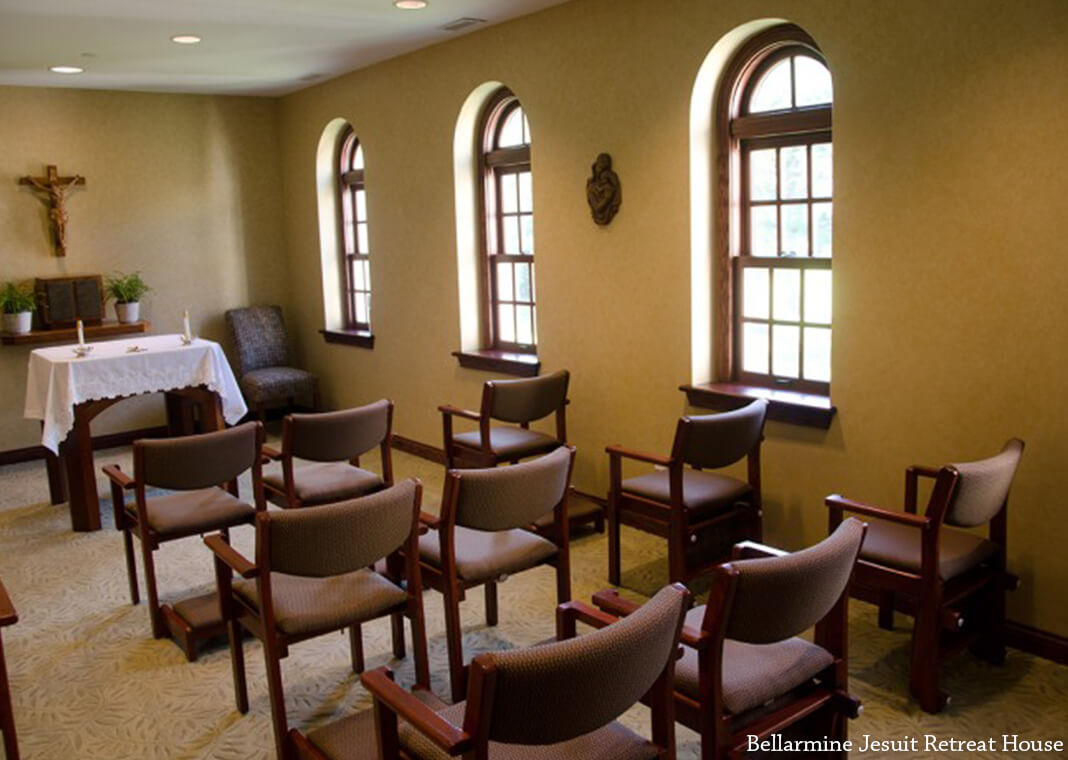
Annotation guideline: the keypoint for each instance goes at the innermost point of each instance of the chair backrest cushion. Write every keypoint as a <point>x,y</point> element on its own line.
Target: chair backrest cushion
<point>779,597</point>
<point>333,436</point>
<point>718,440</point>
<point>343,537</point>
<point>559,691</point>
<point>259,334</point>
<point>529,399</point>
<point>984,486</point>
<point>502,498</point>
<point>199,461</point>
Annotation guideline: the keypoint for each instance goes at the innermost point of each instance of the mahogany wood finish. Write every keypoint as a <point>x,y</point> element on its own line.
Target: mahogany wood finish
<point>503,362</point>
<point>105,329</point>
<point>811,410</point>
<point>8,616</point>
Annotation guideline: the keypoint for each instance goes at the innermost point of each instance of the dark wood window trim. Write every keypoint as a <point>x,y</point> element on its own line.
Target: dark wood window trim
<point>503,362</point>
<point>810,410</point>
<point>355,257</point>
<point>361,338</point>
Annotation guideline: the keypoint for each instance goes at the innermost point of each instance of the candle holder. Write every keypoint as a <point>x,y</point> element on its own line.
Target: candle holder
<point>82,351</point>
<point>187,339</point>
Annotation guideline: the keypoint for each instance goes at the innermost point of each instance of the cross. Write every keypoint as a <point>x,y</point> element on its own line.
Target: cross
<point>56,187</point>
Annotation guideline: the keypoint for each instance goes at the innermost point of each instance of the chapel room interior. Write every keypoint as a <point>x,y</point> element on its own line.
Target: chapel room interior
<point>226,174</point>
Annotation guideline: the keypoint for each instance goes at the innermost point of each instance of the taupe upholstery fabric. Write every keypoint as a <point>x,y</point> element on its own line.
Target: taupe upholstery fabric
<point>259,335</point>
<point>307,605</point>
<point>482,555</point>
<point>269,383</point>
<point>717,440</point>
<point>752,673</point>
<point>900,546</point>
<point>510,442</point>
<point>529,399</point>
<point>779,597</point>
<point>701,491</point>
<point>198,461</point>
<point>984,486</point>
<point>334,436</point>
<point>340,538</point>
<point>327,482</point>
<point>354,736</point>
<point>501,498</point>
<point>191,512</point>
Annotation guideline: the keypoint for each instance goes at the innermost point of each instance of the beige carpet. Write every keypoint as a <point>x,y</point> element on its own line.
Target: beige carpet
<point>88,680</point>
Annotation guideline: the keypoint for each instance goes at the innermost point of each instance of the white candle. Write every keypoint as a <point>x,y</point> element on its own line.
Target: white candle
<point>81,334</point>
<point>185,326</point>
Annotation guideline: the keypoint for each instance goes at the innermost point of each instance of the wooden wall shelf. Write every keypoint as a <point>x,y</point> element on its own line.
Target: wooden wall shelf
<point>70,334</point>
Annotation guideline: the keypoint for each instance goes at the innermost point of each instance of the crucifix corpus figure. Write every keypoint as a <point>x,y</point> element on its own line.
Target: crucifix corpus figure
<point>57,188</point>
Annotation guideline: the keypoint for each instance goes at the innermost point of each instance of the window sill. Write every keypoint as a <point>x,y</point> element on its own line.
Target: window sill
<point>361,338</point>
<point>783,406</point>
<point>505,362</point>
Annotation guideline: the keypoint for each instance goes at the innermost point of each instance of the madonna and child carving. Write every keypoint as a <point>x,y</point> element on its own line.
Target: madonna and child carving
<point>603,191</point>
<point>56,188</point>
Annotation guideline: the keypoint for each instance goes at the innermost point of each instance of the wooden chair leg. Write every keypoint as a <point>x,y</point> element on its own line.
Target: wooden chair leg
<point>886,610</point>
<point>491,603</point>
<point>397,625</point>
<point>925,659</point>
<point>159,628</point>
<point>356,648</point>
<point>990,645</point>
<point>613,542</point>
<point>7,717</point>
<point>598,522</point>
<point>422,660</point>
<point>454,644</point>
<point>237,665</point>
<point>278,701</point>
<point>676,552</point>
<point>131,565</point>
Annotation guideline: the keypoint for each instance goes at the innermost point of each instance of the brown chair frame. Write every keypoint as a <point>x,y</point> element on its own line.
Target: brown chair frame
<point>165,621</point>
<point>941,626</point>
<point>8,616</point>
<point>401,564</point>
<point>288,497</point>
<point>453,588</point>
<point>672,520</point>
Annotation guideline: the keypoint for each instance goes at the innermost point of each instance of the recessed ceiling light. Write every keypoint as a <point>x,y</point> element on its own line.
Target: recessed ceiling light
<point>410,5</point>
<point>66,69</point>
<point>185,39</point>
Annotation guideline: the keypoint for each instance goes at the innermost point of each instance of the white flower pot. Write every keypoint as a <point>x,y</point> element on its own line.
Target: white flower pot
<point>128,312</point>
<point>18,324</point>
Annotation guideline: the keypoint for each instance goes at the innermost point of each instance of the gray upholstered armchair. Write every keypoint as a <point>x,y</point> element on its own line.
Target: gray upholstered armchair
<point>262,352</point>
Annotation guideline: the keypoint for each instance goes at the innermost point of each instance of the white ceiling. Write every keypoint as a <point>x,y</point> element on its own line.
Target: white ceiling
<point>250,47</point>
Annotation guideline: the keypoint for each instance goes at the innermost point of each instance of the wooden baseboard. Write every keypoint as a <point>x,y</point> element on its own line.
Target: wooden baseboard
<point>418,448</point>
<point>1048,646</point>
<point>109,441</point>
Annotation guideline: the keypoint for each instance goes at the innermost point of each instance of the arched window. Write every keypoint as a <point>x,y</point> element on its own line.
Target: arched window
<point>355,253</point>
<point>774,114</point>
<point>509,321</point>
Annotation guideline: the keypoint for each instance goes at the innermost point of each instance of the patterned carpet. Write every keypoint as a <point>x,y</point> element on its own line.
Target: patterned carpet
<point>88,680</point>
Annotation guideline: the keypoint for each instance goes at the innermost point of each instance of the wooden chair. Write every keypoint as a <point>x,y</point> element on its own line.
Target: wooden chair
<point>701,514</point>
<point>744,671</point>
<point>558,700</point>
<point>484,534</point>
<point>951,581</point>
<point>333,442</point>
<point>202,470</point>
<point>314,574</point>
<point>8,616</point>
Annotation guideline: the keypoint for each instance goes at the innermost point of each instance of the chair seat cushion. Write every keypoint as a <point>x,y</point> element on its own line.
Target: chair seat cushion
<point>753,674</point>
<point>304,604</point>
<point>271,383</point>
<point>899,546</point>
<point>510,442</point>
<point>326,482</point>
<point>701,491</point>
<point>186,513</point>
<point>485,555</point>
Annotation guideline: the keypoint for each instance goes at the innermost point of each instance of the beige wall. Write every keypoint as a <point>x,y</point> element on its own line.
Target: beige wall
<point>183,188</point>
<point>951,173</point>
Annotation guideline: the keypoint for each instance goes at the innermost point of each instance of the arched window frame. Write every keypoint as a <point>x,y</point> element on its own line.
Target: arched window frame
<point>738,132</point>
<point>355,255</point>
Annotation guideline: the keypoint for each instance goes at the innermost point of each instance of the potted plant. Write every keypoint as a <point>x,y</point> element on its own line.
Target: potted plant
<point>18,304</point>
<point>127,290</point>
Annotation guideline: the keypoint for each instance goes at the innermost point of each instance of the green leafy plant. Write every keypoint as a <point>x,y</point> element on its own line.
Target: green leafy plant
<point>15,299</point>
<point>126,288</point>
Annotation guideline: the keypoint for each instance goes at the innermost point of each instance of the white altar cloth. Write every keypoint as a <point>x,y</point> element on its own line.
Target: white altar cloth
<point>57,379</point>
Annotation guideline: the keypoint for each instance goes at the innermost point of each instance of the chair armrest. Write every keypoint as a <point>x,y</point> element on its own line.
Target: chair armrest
<point>429,520</point>
<point>8,614</point>
<point>641,456</point>
<point>455,411</point>
<point>924,471</point>
<point>839,503</point>
<point>611,602</point>
<point>231,556</point>
<point>912,477</point>
<point>580,611</point>
<point>427,722</point>
<point>118,477</point>
<point>270,453</point>
<point>753,550</point>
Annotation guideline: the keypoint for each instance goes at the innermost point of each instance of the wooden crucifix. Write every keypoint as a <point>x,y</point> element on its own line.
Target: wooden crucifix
<point>57,188</point>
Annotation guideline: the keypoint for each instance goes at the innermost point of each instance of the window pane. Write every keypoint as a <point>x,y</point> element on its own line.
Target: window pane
<point>358,281</point>
<point>821,170</point>
<point>522,282</point>
<point>526,227</point>
<point>526,129</point>
<point>357,160</point>
<point>512,130</point>
<point>511,234</point>
<point>795,230</point>
<point>361,237</point>
<point>506,323</point>
<point>755,348</point>
<point>794,172</point>
<point>787,295</point>
<point>813,81</point>
<point>762,175</point>
<point>821,229</point>
<point>350,237</point>
<point>524,324</point>
<point>361,206</point>
<point>504,282</point>
<point>526,196</point>
<point>361,308</point>
<point>762,223</point>
<point>818,296</point>
<point>818,354</point>
<point>785,351</point>
<point>773,91</point>
<point>755,296</point>
<point>367,273</point>
<point>346,207</point>
<point>508,194</point>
